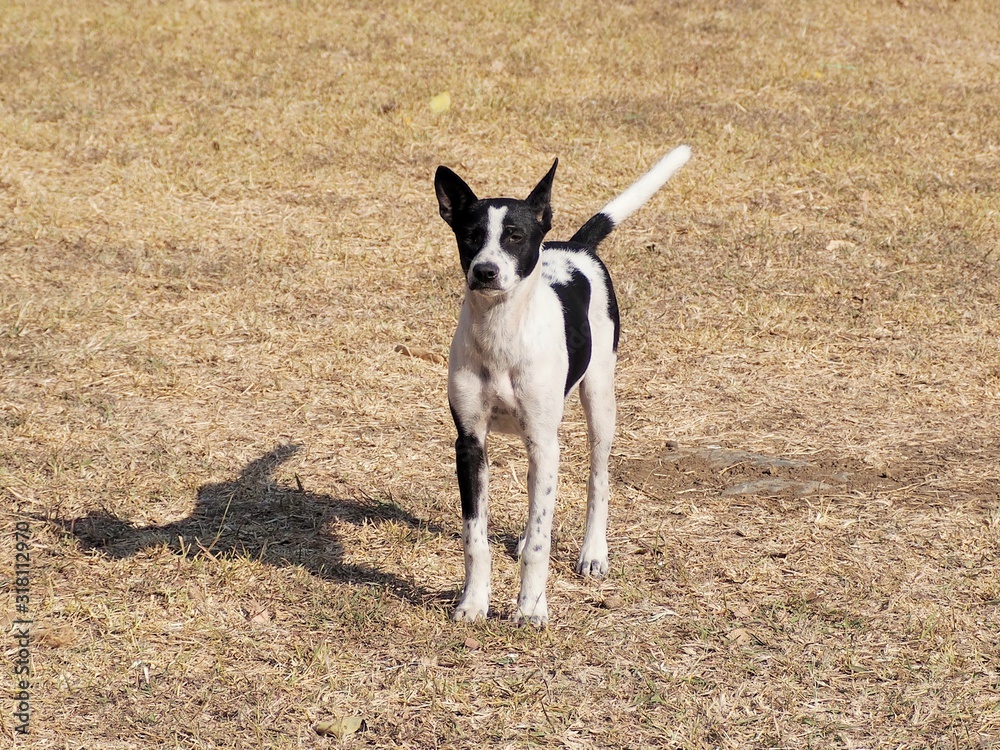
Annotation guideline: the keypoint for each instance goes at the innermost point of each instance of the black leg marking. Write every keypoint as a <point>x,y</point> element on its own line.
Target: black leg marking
<point>470,459</point>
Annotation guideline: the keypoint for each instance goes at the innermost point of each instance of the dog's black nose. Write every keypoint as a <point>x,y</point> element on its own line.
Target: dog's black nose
<point>485,273</point>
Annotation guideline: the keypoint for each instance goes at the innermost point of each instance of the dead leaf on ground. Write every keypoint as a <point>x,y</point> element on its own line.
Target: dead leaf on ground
<point>55,637</point>
<point>441,103</point>
<point>341,727</point>
<point>259,617</point>
<point>834,245</point>
<point>742,612</point>
<point>613,601</point>
<point>424,354</point>
<point>743,637</point>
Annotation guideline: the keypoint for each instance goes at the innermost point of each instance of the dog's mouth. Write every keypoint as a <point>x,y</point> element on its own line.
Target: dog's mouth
<point>487,287</point>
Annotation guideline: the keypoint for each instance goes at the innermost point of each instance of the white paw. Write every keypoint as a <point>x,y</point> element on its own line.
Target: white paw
<point>532,611</point>
<point>469,613</point>
<point>595,566</point>
<point>536,619</point>
<point>473,606</point>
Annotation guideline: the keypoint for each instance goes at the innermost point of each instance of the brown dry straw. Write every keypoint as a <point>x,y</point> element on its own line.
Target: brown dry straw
<point>219,240</point>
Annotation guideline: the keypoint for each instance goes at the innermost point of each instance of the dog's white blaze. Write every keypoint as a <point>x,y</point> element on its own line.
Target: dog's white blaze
<point>492,252</point>
<point>494,227</point>
<point>643,189</point>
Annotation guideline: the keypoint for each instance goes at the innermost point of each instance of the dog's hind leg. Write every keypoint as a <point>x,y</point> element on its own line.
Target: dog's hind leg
<point>597,394</point>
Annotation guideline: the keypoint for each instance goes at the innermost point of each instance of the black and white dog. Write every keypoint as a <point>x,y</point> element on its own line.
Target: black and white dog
<point>537,321</point>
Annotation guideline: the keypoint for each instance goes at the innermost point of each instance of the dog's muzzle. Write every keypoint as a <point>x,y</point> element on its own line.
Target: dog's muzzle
<point>485,276</point>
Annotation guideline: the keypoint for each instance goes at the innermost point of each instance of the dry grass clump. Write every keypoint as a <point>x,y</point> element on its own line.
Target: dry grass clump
<point>217,225</point>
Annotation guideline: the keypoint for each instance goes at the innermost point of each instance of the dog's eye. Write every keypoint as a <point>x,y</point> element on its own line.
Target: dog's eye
<point>514,236</point>
<point>475,236</point>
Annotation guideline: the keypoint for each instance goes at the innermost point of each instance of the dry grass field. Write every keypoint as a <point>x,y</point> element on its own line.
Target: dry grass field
<point>217,224</point>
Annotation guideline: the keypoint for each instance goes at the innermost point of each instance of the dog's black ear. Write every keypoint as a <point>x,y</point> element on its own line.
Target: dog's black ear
<point>453,195</point>
<point>540,200</point>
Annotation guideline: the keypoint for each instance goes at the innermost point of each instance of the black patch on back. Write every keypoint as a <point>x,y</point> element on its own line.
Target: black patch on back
<point>575,299</point>
<point>613,311</point>
<point>612,307</point>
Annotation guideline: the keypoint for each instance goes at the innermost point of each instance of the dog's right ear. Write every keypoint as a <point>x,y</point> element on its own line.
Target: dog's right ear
<point>453,195</point>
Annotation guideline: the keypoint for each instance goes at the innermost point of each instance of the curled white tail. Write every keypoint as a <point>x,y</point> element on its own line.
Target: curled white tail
<point>643,189</point>
<point>599,226</point>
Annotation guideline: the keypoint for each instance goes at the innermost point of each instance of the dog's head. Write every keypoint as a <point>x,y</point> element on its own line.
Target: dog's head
<point>499,239</point>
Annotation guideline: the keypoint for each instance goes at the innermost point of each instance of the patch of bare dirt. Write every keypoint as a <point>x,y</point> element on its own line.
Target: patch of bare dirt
<point>728,472</point>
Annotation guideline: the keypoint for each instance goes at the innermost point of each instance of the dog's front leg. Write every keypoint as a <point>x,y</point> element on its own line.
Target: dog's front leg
<point>473,486</point>
<point>543,470</point>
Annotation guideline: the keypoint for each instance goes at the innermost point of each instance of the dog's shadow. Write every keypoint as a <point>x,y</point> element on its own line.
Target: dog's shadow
<point>255,517</point>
